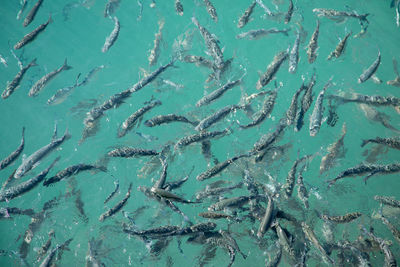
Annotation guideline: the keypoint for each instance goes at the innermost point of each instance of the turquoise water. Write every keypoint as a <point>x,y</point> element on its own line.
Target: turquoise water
<point>78,32</point>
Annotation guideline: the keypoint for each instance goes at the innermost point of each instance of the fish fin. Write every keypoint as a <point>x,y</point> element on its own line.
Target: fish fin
<point>50,19</point>
<point>369,176</point>
<point>23,157</point>
<point>55,131</point>
<point>36,164</point>
<point>66,66</point>
<point>364,142</point>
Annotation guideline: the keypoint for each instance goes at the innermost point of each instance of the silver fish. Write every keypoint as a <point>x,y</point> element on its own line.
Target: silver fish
<point>294,54</point>
<point>292,110</point>
<point>117,207</point>
<point>257,34</point>
<point>388,201</point>
<point>33,160</point>
<point>200,137</point>
<point>32,35</point>
<point>161,119</point>
<point>90,75</point>
<point>339,15</point>
<point>216,191</point>
<point>47,262</point>
<point>31,15</point>
<point>3,61</point>
<point>62,94</point>
<point>211,10</point>
<point>301,189</point>
<point>267,218</point>
<point>207,99</point>
<point>215,117</point>
<point>14,155</point>
<point>318,111</point>
<point>110,40</point>
<point>230,202</point>
<point>23,5</point>
<point>14,84</point>
<point>156,47</point>
<point>391,142</point>
<point>313,45</point>
<point>272,69</point>
<point>40,84</point>
<point>398,14</point>
<point>267,140</point>
<point>340,47</point>
<point>291,177</point>
<point>335,151</point>
<point>289,13</point>
<point>178,7</point>
<point>309,233</point>
<point>244,19</point>
<point>128,152</point>
<point>306,102</point>
<point>349,217</point>
<point>371,70</point>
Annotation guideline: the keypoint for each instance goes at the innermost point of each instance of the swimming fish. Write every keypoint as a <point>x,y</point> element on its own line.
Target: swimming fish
<point>244,19</point>
<point>110,40</point>
<point>161,119</point>
<point>32,35</point>
<point>62,93</point>
<point>318,111</point>
<point>199,137</point>
<point>207,99</point>
<point>211,10</point>
<point>156,47</point>
<point>349,217</point>
<point>340,47</point>
<point>272,69</point>
<point>391,142</point>
<point>257,34</point>
<point>335,151</point>
<point>110,212</point>
<point>179,7</point>
<point>339,15</point>
<point>128,152</point>
<point>371,70</point>
<point>14,155</point>
<point>215,117</point>
<point>294,54</point>
<point>289,13</point>
<point>31,15</point>
<point>14,84</point>
<point>313,45</point>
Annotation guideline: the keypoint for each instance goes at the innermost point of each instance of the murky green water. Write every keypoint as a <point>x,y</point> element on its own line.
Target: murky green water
<point>77,33</point>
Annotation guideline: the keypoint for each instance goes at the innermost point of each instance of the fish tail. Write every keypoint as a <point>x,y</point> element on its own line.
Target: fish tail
<point>50,19</point>
<point>66,66</point>
<point>33,62</point>
<point>364,142</point>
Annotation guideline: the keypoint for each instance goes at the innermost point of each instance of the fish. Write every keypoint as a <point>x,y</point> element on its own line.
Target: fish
<point>219,167</point>
<point>136,117</point>
<point>163,176</point>
<point>72,170</point>
<point>398,13</point>
<point>110,8</point>
<point>391,142</point>
<point>176,184</point>
<point>349,217</point>
<point>302,192</point>
<point>33,160</point>
<point>390,259</point>
<point>231,241</point>
<point>62,93</point>
<point>170,196</point>
<point>244,19</point>
<point>198,60</point>
<point>291,177</point>
<point>318,111</point>
<point>374,100</point>
<point>5,212</point>
<point>116,183</point>
<point>90,75</point>
<point>15,191</point>
<point>199,137</point>
<point>274,262</point>
<point>156,47</point>
<point>267,140</point>
<point>272,69</point>
<point>265,111</point>
<point>215,117</point>
<point>40,84</point>
<point>216,191</point>
<point>335,151</point>
<point>45,247</point>
<point>110,212</point>
<point>392,228</point>
<point>47,261</point>
<point>31,15</point>
<point>23,5</point>
<point>292,110</point>
<point>14,84</point>
<point>371,70</point>
<point>395,81</point>
<point>294,54</point>
<point>283,239</point>
<point>391,201</point>
<point>14,155</point>
<point>110,40</point>
<point>267,218</point>
<point>211,44</point>
<point>207,99</point>
<point>230,202</point>
<point>313,45</point>
<point>306,102</point>
<point>128,152</point>
<point>161,119</point>
<point>369,169</point>
<point>340,47</point>
<point>259,33</point>
<point>339,15</point>
<point>93,255</point>
<point>289,13</point>
<point>32,35</point>
<point>211,10</point>
<point>3,61</point>
<point>214,215</point>
<point>310,235</point>
<point>178,7</point>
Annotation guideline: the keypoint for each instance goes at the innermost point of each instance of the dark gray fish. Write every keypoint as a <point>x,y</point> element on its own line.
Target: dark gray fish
<point>374,100</point>
<point>313,45</point>
<point>302,192</point>
<point>391,142</point>
<point>219,167</point>
<point>215,117</point>
<point>31,15</point>
<point>198,60</point>
<point>388,201</point>
<point>128,152</point>
<point>90,75</point>
<point>371,69</point>
<point>14,84</point>
<point>40,84</point>
<point>216,191</point>
<point>395,81</point>
<point>32,161</point>
<point>199,137</point>
<point>116,183</point>
<point>5,212</point>
<point>161,119</point>
<point>244,19</point>
<point>340,47</point>
<point>294,54</point>
<point>259,33</point>
<point>306,102</point>
<point>110,8</point>
<point>162,230</point>
<point>47,261</point>
<point>289,13</point>
<point>14,155</point>
<point>178,7</point>
<point>72,170</point>
<point>339,15</point>
<point>23,5</point>
<point>268,139</point>
<point>392,228</point>
<point>272,69</point>
<point>214,215</point>
<point>284,239</point>
<point>136,117</point>
<point>231,241</point>
<point>176,184</point>
<point>170,196</point>
<point>292,110</point>
<point>349,217</point>
<point>310,235</point>
<point>163,176</point>
<point>45,247</point>
<point>230,202</point>
<point>207,99</point>
<point>26,186</point>
<point>110,40</point>
<point>117,207</point>
<point>318,111</point>
<point>335,151</point>
<point>156,47</point>
<point>32,35</point>
<point>291,177</point>
<point>211,10</point>
<point>390,260</point>
<point>267,218</point>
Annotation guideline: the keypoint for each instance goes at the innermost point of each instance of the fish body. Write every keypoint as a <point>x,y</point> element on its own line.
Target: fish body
<point>199,137</point>
<point>216,191</point>
<point>272,69</point>
<point>198,60</point>
<point>294,54</point>
<point>14,155</point>
<point>340,47</point>
<point>339,15</point>
<point>309,233</point>
<point>113,192</point>
<point>313,45</point>
<point>170,196</point>
<point>289,13</point>
<point>156,47</point>
<point>161,119</point>
<point>391,142</point>
<point>257,34</point>
<point>117,207</point>
<point>284,240</point>
<point>217,93</point>
<point>268,139</point>
<point>214,215</point>
<point>69,171</point>
<point>371,70</point>
<point>62,93</point>
<point>302,190</point>
<point>90,75</point>
<point>133,119</point>
<point>32,35</point>
<point>3,61</point>
<point>23,5</point>
<point>390,260</point>
<point>392,228</point>
<point>398,14</point>
<point>40,84</point>
<point>215,117</point>
<point>291,177</point>
<point>211,10</point>
<point>335,151</point>
<point>267,218</point>
<point>292,110</point>
<point>244,19</point>
<point>26,186</point>
<point>342,219</point>
<point>110,8</point>
<point>230,202</point>
<point>374,100</point>
<point>128,152</point>
<point>306,102</point>
<point>265,111</point>
<point>31,15</point>
<point>47,261</point>
<point>318,111</point>
<point>14,84</point>
<point>31,161</point>
<point>388,201</point>
<point>110,40</point>
<point>178,7</point>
